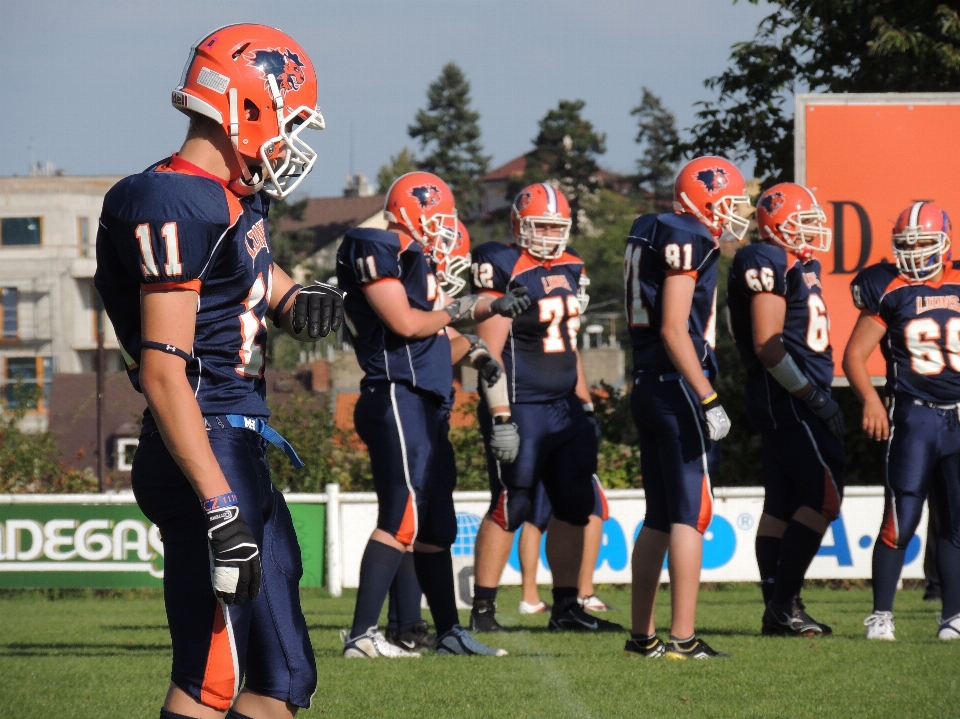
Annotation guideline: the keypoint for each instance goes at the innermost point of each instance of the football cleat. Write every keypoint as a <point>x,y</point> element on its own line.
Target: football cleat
<point>593,603</point>
<point>880,626</point>
<point>371,644</point>
<point>538,608</point>
<point>459,641</point>
<point>571,617</point>
<point>483,617</point>
<point>949,628</point>
<point>791,620</point>
<point>418,639</point>
<point>696,648</point>
<point>652,649</point>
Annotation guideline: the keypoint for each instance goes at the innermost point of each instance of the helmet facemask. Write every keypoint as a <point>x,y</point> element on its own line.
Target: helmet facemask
<point>919,262</point>
<point>452,278</point>
<point>543,246</point>
<point>726,220</point>
<point>803,232</point>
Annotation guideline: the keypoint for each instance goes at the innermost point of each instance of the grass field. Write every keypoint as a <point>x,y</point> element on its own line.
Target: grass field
<point>100,658</point>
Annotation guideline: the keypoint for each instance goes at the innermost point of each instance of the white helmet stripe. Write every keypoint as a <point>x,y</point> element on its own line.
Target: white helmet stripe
<point>915,213</point>
<point>551,198</point>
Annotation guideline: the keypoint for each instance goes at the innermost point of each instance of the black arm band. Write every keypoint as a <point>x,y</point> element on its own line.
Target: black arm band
<point>169,349</point>
<point>278,310</point>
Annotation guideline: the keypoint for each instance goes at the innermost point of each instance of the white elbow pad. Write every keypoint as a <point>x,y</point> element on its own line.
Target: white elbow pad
<point>788,374</point>
<point>496,396</point>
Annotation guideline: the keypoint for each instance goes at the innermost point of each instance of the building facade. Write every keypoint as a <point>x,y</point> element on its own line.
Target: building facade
<point>48,231</point>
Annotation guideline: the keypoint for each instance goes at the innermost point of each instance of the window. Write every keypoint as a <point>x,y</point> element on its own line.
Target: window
<point>26,382</point>
<point>19,231</point>
<point>8,298</point>
<point>83,237</point>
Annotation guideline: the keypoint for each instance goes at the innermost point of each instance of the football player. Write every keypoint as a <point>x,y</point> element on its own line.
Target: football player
<point>912,308</point>
<point>545,395</point>
<point>670,278</point>
<point>782,331</point>
<point>185,271</point>
<point>528,550</point>
<point>406,355</point>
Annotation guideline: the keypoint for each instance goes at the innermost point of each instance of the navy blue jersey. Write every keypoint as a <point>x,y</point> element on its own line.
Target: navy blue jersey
<point>922,343</point>
<point>367,256</point>
<point>540,354</point>
<point>174,226</point>
<point>766,267</point>
<point>658,246</point>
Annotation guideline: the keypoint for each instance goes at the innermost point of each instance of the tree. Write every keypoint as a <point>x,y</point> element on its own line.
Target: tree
<point>657,132</point>
<point>400,164</point>
<point>565,152</point>
<point>821,45</point>
<point>448,132</point>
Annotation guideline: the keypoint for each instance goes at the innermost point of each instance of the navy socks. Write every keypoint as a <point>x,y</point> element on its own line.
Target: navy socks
<point>887,565</point>
<point>435,573</point>
<point>948,558</point>
<point>377,570</point>
<point>768,557</point>
<point>797,549</point>
<point>405,596</point>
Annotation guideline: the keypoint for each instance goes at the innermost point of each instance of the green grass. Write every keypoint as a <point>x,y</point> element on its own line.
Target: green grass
<point>108,657</point>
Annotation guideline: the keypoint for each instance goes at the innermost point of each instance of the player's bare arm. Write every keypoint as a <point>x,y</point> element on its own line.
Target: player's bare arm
<point>768,312</point>
<point>866,335</point>
<point>389,300</point>
<point>677,301</point>
<point>169,318</point>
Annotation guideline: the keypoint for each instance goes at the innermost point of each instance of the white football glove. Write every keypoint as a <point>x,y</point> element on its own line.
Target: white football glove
<point>504,441</point>
<point>718,423</point>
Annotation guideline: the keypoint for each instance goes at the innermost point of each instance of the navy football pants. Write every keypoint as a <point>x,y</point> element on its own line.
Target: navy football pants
<point>558,449</point>
<point>542,510</point>
<point>924,446</point>
<point>677,458</point>
<point>263,642</point>
<point>802,466</point>
<point>412,460</point>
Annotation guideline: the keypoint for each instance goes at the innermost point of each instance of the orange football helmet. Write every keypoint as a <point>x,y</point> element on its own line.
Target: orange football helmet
<point>259,85</point>
<point>713,190</point>
<point>921,241</point>
<point>789,215</point>
<point>536,209</point>
<point>452,274</point>
<point>423,205</point>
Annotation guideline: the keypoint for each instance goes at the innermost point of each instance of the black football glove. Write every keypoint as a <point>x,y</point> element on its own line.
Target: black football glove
<point>827,409</point>
<point>236,571</point>
<point>513,303</point>
<point>319,309</point>
<point>592,418</point>
<point>488,369</point>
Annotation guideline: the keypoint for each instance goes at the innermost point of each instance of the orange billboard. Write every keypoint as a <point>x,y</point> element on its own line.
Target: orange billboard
<point>866,157</point>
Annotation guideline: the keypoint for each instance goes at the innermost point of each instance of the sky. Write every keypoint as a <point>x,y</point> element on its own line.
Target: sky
<point>86,85</point>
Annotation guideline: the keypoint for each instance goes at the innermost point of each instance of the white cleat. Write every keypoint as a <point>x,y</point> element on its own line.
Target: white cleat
<point>538,608</point>
<point>949,628</point>
<point>880,626</point>
<point>371,644</point>
<point>459,641</point>
<point>593,603</point>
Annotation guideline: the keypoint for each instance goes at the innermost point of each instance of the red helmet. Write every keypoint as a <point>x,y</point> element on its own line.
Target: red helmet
<point>921,241</point>
<point>452,273</point>
<point>540,208</point>
<point>789,215</point>
<point>259,85</point>
<point>712,189</point>
<point>423,204</point>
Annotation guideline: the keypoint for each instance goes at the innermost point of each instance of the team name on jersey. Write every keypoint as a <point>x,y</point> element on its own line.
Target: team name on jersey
<point>811,280</point>
<point>256,239</point>
<point>942,302</point>
<point>555,282</point>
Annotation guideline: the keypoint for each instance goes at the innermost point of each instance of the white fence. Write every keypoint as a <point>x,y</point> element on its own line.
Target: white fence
<point>728,553</point>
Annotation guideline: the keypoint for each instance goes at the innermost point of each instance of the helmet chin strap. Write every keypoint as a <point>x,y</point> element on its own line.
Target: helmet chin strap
<point>247,183</point>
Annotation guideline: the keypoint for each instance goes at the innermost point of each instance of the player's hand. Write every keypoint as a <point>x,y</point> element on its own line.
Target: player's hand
<point>481,360</point>
<point>511,304</point>
<point>461,308</point>
<point>504,441</point>
<point>718,423</point>
<point>319,309</point>
<point>827,409</point>
<point>236,571</point>
<point>875,421</point>
<point>592,419</point>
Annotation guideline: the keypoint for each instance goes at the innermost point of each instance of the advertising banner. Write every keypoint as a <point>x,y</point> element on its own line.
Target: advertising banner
<point>106,542</point>
<point>866,157</point>
<point>728,551</point>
